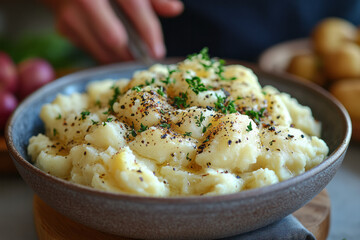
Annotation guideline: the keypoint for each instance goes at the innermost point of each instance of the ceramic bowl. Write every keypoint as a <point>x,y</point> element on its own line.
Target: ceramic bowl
<point>198,217</point>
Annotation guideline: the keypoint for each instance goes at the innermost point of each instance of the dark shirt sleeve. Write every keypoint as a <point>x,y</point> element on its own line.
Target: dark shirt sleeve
<point>242,29</point>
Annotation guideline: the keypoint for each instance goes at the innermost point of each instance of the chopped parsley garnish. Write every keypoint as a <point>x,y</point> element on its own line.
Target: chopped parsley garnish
<point>231,107</point>
<point>84,114</point>
<point>98,103</point>
<point>114,98</point>
<point>55,132</point>
<point>203,52</point>
<point>180,101</point>
<point>187,157</point>
<point>225,106</point>
<point>165,125</point>
<point>263,92</point>
<point>106,112</point>
<point>199,120</point>
<point>109,119</point>
<point>160,91</point>
<point>172,71</point>
<point>206,127</point>
<point>94,122</point>
<point>219,105</point>
<point>249,127</point>
<point>220,70</point>
<point>239,98</point>
<point>133,132</point>
<point>149,83</point>
<point>196,85</point>
<point>142,128</point>
<point>209,63</point>
<point>58,117</point>
<point>208,66</point>
<point>168,79</point>
<point>187,134</point>
<point>255,115</point>
<point>162,111</point>
<point>137,88</point>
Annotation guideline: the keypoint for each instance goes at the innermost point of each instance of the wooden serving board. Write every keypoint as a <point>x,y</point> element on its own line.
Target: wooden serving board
<point>315,216</point>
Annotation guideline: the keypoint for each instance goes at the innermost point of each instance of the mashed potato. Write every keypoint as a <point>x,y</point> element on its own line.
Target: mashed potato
<point>193,128</point>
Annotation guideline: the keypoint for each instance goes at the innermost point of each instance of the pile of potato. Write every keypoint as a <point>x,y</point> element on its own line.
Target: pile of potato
<point>334,64</point>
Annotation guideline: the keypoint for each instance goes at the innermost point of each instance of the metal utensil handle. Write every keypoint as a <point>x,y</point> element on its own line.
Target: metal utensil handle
<point>137,46</point>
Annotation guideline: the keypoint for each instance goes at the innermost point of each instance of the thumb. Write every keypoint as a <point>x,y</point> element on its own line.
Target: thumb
<point>167,8</point>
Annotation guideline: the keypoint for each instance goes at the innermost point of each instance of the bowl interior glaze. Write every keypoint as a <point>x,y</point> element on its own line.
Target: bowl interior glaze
<point>149,217</point>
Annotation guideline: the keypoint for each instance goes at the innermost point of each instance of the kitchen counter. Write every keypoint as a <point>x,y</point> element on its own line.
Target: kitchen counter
<point>16,216</point>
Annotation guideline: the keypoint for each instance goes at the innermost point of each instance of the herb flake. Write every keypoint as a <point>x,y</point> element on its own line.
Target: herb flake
<point>116,94</point>
<point>160,91</point>
<point>180,102</point>
<point>165,125</point>
<point>187,134</point>
<point>142,128</point>
<point>84,114</point>
<point>249,127</point>
<point>196,85</point>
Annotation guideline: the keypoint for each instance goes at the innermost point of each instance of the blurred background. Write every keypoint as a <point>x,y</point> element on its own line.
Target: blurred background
<point>27,30</point>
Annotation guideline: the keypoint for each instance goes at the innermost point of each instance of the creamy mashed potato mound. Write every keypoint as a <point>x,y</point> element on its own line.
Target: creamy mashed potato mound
<point>197,127</point>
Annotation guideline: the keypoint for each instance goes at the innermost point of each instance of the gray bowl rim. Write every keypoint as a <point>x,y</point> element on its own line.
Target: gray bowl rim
<point>239,196</point>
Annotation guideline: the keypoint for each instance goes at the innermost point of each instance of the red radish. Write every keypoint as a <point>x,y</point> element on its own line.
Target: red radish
<point>8,74</point>
<point>33,73</point>
<point>8,103</point>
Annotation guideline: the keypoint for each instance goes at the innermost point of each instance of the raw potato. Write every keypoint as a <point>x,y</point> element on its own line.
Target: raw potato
<point>358,36</point>
<point>347,91</point>
<point>331,33</point>
<point>307,66</point>
<point>194,128</point>
<point>343,62</point>
<point>336,46</point>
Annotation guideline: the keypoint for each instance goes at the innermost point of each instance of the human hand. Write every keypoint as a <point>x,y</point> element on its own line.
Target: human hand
<point>93,25</point>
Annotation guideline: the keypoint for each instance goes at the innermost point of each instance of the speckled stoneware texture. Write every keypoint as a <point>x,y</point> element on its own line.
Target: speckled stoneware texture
<point>190,217</point>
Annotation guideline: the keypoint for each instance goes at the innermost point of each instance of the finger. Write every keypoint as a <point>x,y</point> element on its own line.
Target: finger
<point>72,24</point>
<point>168,8</point>
<point>143,17</point>
<point>106,26</point>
